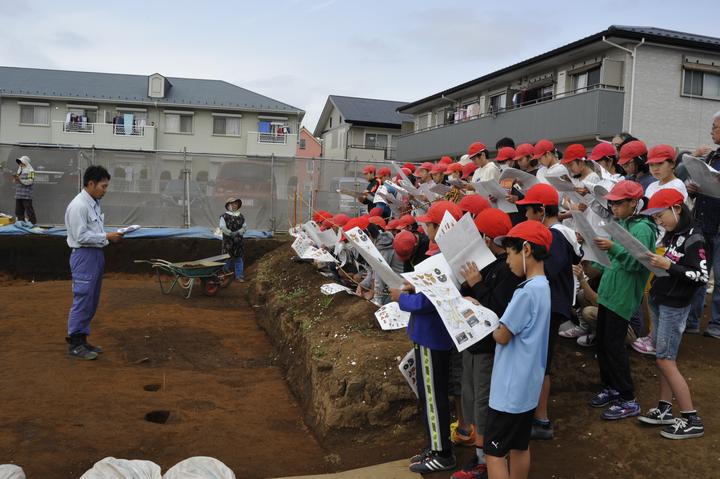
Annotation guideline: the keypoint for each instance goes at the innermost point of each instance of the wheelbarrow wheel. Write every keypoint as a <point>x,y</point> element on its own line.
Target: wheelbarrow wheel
<point>211,287</point>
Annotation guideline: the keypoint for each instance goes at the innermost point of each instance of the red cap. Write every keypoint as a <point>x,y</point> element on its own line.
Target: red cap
<point>369,169</point>
<point>359,222</point>
<point>493,222</point>
<point>377,211</point>
<point>630,150</point>
<point>541,194</point>
<point>326,225</point>
<point>526,149</point>
<point>602,150</point>
<point>468,170</point>
<point>445,160</point>
<point>427,166</point>
<point>542,147</point>
<point>475,149</point>
<point>405,221</point>
<point>404,170</point>
<point>409,166</point>
<point>437,211</point>
<point>392,225</point>
<point>660,153</point>
<point>439,168</point>
<point>384,171</point>
<point>454,168</point>
<point>662,200</point>
<point>573,152</point>
<point>505,153</point>
<point>473,204</point>
<point>532,231</point>
<point>376,220</point>
<point>625,190</point>
<point>321,215</point>
<point>340,219</point>
<point>404,245</point>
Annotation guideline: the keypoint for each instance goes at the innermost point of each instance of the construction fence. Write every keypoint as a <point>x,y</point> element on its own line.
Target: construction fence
<point>183,189</point>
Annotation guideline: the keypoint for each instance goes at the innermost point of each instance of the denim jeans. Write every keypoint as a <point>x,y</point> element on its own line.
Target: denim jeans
<point>668,326</point>
<point>238,264</point>
<point>712,252</point>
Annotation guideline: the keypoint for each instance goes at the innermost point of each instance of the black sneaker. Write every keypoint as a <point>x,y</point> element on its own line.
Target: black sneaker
<point>658,415</point>
<point>94,349</point>
<point>420,456</point>
<point>542,431</point>
<point>684,428</point>
<point>82,352</point>
<point>434,462</point>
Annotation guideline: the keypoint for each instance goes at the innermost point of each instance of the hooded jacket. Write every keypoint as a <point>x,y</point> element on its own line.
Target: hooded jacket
<point>26,179</point>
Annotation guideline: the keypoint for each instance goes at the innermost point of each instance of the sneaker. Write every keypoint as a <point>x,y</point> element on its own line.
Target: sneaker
<point>462,439</point>
<point>433,462</point>
<point>684,428</point>
<point>471,470</point>
<point>82,352</point>
<point>621,410</point>
<point>712,334</point>
<point>586,341</point>
<point>566,325</point>
<point>658,416</point>
<point>541,430</point>
<point>605,397</point>
<point>644,345</point>
<point>420,456</point>
<point>94,349</point>
<point>574,332</point>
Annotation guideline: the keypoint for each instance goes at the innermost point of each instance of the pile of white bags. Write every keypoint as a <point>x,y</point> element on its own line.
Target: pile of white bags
<point>193,468</point>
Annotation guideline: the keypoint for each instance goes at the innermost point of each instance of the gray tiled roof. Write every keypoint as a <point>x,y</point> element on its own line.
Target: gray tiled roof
<point>662,32</point>
<point>369,110</point>
<point>121,88</point>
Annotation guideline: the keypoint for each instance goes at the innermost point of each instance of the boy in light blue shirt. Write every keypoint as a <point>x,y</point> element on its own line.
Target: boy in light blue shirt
<point>520,355</point>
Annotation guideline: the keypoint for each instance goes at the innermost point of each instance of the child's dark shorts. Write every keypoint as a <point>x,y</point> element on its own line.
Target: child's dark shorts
<point>505,431</point>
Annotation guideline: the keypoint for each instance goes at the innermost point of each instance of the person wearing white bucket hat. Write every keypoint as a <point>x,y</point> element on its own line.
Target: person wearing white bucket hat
<point>25,178</point>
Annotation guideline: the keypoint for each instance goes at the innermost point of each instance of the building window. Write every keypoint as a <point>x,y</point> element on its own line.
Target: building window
<point>34,115</point>
<point>498,103</point>
<point>704,84</point>
<point>533,95</point>
<point>309,167</point>
<point>330,122</point>
<point>302,143</point>
<point>423,121</point>
<point>376,141</point>
<point>178,123</point>
<point>226,125</point>
<point>587,80</point>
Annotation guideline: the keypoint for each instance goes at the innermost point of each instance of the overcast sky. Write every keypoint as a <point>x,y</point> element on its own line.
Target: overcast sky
<point>301,51</point>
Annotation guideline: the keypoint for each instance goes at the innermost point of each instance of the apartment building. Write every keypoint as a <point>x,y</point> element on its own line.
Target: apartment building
<point>136,112</point>
<point>362,129</point>
<point>660,85</point>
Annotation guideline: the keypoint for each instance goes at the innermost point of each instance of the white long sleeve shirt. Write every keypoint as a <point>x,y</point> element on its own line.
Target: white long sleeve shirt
<point>84,221</point>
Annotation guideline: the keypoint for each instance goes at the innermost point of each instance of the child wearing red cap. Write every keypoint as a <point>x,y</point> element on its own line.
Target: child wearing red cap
<point>580,168</point>
<point>493,287</point>
<point>670,298</point>
<point>547,155</point>
<point>372,287</point>
<point>520,354</point>
<point>524,158</point>
<point>661,159</point>
<point>486,169</point>
<point>384,175</point>
<point>633,159</point>
<point>368,195</point>
<point>432,345</point>
<point>620,292</point>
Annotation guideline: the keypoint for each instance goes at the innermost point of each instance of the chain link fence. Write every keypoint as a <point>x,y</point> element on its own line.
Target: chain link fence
<point>183,189</point>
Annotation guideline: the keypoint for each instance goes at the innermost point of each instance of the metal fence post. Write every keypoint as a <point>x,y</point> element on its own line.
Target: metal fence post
<point>186,191</point>
<point>272,193</point>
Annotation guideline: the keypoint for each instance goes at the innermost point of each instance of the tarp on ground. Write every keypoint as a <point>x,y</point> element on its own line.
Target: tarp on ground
<point>193,232</point>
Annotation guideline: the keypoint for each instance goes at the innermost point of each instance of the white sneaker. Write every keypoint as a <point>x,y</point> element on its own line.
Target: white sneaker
<point>566,325</point>
<point>586,341</point>
<point>574,332</point>
<point>644,345</point>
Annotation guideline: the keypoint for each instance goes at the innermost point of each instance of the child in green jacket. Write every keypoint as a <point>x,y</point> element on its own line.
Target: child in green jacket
<point>619,295</point>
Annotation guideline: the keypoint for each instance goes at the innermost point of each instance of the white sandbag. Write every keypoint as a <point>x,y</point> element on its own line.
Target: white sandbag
<point>199,468</point>
<point>111,468</point>
<point>11,471</point>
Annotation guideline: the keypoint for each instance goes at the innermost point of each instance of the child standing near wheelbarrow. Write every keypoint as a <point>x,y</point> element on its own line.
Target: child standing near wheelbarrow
<point>232,225</point>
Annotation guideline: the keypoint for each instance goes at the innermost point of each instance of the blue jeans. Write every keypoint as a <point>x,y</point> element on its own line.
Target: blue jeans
<point>712,252</point>
<point>238,265</point>
<point>668,326</point>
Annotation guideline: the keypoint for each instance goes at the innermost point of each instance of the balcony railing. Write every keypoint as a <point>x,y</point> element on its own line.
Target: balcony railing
<point>91,128</point>
<point>128,130</point>
<point>491,112</point>
<point>274,138</point>
<point>78,127</point>
<point>390,152</point>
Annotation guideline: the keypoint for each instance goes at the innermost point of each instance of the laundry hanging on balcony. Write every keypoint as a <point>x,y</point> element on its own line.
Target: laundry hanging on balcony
<point>128,119</point>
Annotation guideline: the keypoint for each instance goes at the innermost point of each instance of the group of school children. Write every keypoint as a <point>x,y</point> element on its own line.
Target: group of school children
<point>541,288</point>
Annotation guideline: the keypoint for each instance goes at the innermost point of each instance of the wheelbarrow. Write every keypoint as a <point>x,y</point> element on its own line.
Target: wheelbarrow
<point>210,272</point>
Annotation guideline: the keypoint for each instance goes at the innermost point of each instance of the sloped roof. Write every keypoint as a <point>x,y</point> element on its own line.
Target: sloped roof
<point>122,88</point>
<point>363,112</point>
<point>650,34</point>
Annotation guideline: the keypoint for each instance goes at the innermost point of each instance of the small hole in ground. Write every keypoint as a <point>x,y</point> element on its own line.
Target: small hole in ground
<point>151,387</point>
<point>158,417</point>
